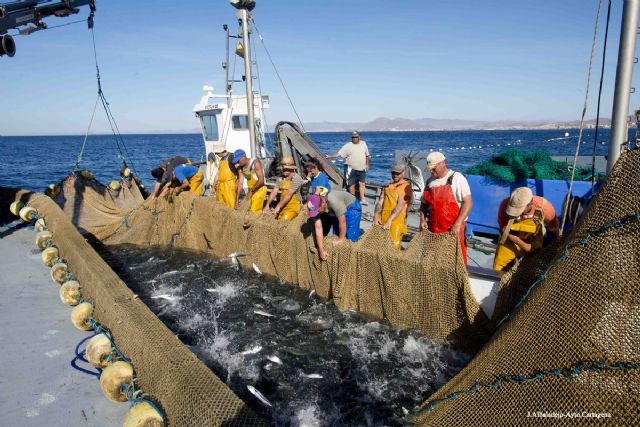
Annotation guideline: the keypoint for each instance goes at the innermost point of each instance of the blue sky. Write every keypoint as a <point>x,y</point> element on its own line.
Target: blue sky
<point>347,61</point>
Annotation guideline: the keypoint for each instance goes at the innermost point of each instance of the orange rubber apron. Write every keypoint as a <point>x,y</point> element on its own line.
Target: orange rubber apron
<point>293,207</point>
<point>226,189</point>
<point>399,224</point>
<point>444,212</point>
<point>257,200</point>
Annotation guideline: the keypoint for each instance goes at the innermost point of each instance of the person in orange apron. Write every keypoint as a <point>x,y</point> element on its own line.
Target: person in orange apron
<point>446,201</point>
<point>253,172</point>
<point>226,181</point>
<point>391,209</point>
<point>288,188</point>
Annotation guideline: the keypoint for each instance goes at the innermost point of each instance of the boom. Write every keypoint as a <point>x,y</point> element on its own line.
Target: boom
<point>23,13</point>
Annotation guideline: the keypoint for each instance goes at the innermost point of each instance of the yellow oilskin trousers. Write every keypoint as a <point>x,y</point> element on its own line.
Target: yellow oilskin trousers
<point>195,183</point>
<point>530,230</point>
<point>399,224</point>
<point>293,207</point>
<point>257,200</point>
<point>226,189</point>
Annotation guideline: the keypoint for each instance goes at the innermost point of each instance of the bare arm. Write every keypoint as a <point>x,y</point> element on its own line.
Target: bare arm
<point>333,156</point>
<point>239,184</point>
<point>184,185</point>
<point>368,162</point>
<point>423,218</point>
<point>342,230</point>
<point>319,232</point>
<point>467,204</point>
<point>272,197</point>
<point>283,202</point>
<point>378,208</point>
<point>259,170</point>
<point>156,190</point>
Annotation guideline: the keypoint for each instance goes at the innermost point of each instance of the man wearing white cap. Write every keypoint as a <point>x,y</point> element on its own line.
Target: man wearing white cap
<point>356,156</point>
<point>446,200</point>
<point>524,220</point>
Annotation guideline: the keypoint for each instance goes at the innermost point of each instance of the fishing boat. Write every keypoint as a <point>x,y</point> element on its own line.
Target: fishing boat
<point>561,338</point>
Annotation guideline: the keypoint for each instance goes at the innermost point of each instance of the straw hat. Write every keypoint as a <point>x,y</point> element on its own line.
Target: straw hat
<point>287,162</point>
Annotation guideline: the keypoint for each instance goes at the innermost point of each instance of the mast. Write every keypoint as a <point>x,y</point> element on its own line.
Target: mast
<point>243,17</point>
<point>624,73</point>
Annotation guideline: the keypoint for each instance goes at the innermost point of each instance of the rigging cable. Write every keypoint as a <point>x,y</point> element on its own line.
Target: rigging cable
<point>122,149</point>
<point>584,112</point>
<point>278,74</point>
<point>595,137</point>
<point>105,104</point>
<point>265,126</point>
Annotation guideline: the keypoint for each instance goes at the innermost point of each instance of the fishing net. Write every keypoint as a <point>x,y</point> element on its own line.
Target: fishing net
<point>567,338</point>
<point>571,347</point>
<point>184,388</point>
<point>515,165</point>
<point>90,205</point>
<point>424,287</point>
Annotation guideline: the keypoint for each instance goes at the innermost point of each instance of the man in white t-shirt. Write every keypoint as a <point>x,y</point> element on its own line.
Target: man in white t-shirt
<point>446,200</point>
<point>356,157</point>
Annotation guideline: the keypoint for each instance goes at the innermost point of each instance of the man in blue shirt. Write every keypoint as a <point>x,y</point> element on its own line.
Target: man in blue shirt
<point>190,177</point>
<point>320,184</point>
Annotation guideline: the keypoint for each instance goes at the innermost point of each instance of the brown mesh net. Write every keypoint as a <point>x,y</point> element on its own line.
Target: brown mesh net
<point>424,287</point>
<point>185,389</point>
<point>570,346</point>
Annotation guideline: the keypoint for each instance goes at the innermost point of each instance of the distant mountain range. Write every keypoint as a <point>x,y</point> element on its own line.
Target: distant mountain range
<point>426,124</point>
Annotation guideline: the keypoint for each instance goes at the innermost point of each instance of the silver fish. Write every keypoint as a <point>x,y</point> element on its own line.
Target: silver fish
<point>256,269</point>
<point>259,396</point>
<point>164,296</point>
<point>169,273</point>
<point>263,313</point>
<point>313,291</point>
<point>313,376</point>
<point>274,359</point>
<point>163,310</point>
<point>253,350</point>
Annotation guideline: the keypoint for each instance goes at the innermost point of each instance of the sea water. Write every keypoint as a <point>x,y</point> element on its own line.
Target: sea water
<point>316,365</point>
<point>33,162</point>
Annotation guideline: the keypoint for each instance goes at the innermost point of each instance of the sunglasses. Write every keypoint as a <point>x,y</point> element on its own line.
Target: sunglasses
<point>395,173</point>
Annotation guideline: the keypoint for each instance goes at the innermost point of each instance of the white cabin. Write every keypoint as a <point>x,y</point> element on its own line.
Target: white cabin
<point>225,118</point>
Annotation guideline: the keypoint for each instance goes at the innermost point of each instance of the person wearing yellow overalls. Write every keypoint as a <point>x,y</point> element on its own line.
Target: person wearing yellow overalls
<point>190,177</point>
<point>524,220</point>
<point>226,179</point>
<point>288,187</point>
<point>253,172</point>
<point>391,209</point>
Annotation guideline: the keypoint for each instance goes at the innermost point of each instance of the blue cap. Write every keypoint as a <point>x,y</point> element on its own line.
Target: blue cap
<point>237,155</point>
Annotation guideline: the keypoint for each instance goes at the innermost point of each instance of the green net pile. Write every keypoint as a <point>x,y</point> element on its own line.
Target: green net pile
<point>515,165</point>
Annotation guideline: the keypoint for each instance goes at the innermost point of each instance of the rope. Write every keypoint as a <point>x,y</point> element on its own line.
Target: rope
<point>577,242</point>
<point>79,355</point>
<point>571,372</point>
<point>278,74</point>
<point>265,127</point>
<point>98,329</point>
<point>595,137</point>
<point>120,145</point>
<point>584,112</point>
<point>86,136</point>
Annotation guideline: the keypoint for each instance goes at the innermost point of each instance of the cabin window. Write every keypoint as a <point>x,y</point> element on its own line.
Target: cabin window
<point>240,122</point>
<point>210,126</point>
